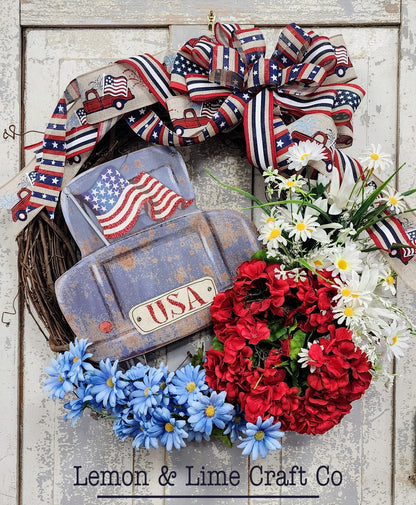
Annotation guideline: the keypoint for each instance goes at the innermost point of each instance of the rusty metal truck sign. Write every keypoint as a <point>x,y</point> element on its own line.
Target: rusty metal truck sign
<point>174,305</point>
<point>151,262</point>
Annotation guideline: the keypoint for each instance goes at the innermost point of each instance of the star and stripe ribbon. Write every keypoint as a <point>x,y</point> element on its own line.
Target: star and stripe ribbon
<point>306,74</point>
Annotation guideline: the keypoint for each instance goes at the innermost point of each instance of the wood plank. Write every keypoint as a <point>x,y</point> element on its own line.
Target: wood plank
<point>353,448</point>
<point>51,445</point>
<point>10,47</point>
<point>179,12</point>
<point>405,401</point>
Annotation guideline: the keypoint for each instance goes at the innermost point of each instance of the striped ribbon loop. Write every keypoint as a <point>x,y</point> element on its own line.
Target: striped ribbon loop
<point>388,233</point>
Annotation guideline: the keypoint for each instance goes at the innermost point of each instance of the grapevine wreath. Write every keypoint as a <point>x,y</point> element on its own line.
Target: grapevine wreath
<point>307,321</point>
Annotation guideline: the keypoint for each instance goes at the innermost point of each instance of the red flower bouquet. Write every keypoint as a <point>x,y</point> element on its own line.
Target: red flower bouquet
<point>261,324</point>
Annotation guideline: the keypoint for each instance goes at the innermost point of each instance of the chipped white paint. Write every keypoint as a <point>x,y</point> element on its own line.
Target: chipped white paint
<point>177,12</point>
<point>364,448</point>
<point>9,338</point>
<point>405,401</point>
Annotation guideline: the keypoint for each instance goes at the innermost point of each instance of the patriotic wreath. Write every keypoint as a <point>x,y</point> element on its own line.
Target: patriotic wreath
<point>308,321</point>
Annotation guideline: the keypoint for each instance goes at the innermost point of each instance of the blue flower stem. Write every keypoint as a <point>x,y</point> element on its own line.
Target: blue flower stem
<point>109,416</point>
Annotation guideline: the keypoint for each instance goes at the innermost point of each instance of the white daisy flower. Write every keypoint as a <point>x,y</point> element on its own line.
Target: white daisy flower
<point>374,159</point>
<point>291,184</point>
<point>388,281</point>
<point>348,314</point>
<point>397,336</point>
<point>271,233</point>
<point>345,260</point>
<point>304,152</point>
<point>318,259</point>
<point>394,200</point>
<point>358,288</point>
<point>302,227</point>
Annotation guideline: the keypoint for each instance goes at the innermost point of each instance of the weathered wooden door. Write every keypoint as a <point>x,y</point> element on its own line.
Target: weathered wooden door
<point>370,459</point>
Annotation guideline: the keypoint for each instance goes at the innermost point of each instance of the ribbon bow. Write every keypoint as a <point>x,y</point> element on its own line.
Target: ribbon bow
<point>306,74</point>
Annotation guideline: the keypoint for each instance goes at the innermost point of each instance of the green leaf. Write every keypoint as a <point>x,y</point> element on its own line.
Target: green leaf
<point>218,433</point>
<point>296,344</point>
<point>362,210</point>
<point>198,358</point>
<point>217,345</point>
<point>277,332</point>
<point>260,255</point>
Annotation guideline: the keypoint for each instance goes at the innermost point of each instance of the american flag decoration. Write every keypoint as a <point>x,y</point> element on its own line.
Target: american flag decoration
<point>115,86</point>
<point>82,116</point>
<point>160,201</point>
<point>117,203</point>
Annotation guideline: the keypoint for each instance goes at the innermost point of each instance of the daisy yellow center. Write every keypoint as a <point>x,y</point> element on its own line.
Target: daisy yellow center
<point>374,156</point>
<point>290,184</point>
<point>393,200</point>
<point>274,234</point>
<point>237,419</point>
<point>355,295</point>
<point>110,382</point>
<point>259,435</point>
<point>345,292</point>
<point>271,220</point>
<point>395,339</point>
<point>300,226</point>
<point>76,359</point>
<point>342,264</point>
<point>210,411</point>
<point>169,427</point>
<point>146,392</point>
<point>349,312</point>
<point>191,387</point>
<point>60,378</point>
<point>302,158</point>
<point>390,279</point>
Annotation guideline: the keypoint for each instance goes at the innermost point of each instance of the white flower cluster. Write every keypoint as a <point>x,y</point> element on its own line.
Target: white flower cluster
<point>312,225</point>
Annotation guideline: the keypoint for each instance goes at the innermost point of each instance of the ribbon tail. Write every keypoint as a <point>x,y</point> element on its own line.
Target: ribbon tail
<point>267,137</point>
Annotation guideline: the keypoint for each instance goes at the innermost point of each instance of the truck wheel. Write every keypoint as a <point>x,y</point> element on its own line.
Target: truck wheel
<point>119,104</point>
<point>21,215</point>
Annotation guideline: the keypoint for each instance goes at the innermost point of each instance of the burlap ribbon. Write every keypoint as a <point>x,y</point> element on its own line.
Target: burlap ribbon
<point>211,85</point>
<point>306,74</point>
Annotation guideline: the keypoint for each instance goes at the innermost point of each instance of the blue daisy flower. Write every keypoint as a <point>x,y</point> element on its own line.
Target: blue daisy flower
<point>198,436</point>
<point>142,433</point>
<point>147,392</point>
<point>136,372</point>
<point>76,407</point>
<point>58,383</point>
<point>166,385</point>
<point>106,384</point>
<point>167,429</point>
<point>187,383</point>
<point>77,356</point>
<point>235,426</point>
<point>262,437</point>
<point>205,411</point>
